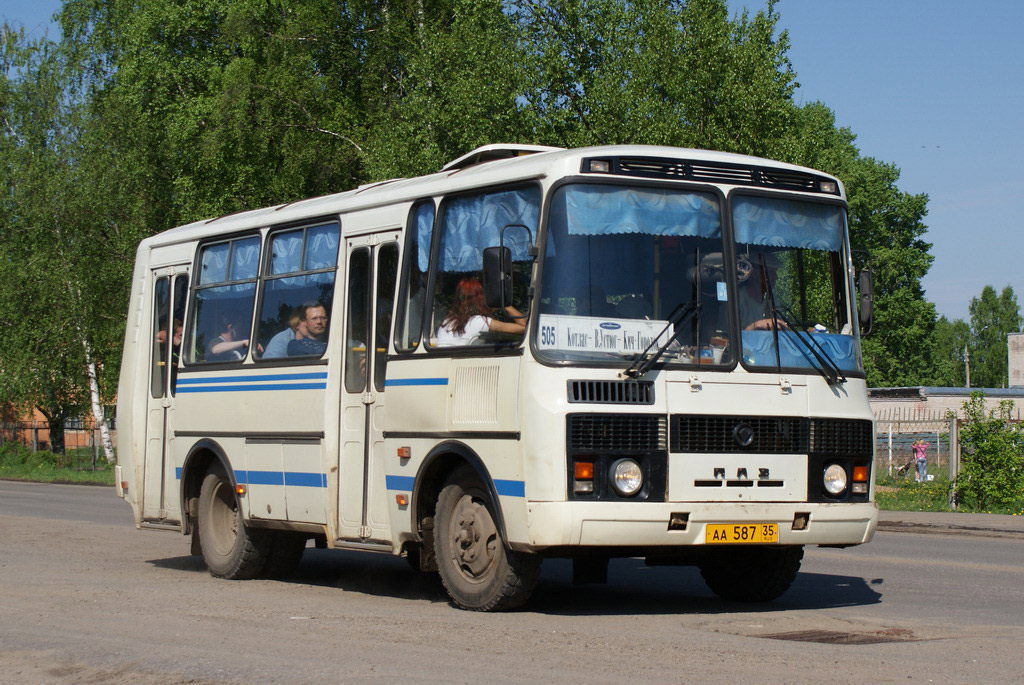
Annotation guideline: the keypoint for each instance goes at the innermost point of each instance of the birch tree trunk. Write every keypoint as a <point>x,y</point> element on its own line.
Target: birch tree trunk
<point>98,415</point>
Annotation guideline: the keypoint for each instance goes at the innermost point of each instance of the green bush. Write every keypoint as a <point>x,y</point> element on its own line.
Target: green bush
<point>991,458</point>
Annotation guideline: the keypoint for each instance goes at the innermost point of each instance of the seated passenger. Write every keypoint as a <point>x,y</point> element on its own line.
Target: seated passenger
<point>469,317</point>
<point>278,345</point>
<point>224,348</point>
<point>314,341</point>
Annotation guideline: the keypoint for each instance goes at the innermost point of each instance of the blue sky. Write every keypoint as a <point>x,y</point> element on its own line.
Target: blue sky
<point>933,86</point>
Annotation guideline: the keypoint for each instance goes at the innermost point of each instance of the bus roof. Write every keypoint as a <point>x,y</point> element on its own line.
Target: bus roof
<point>485,166</point>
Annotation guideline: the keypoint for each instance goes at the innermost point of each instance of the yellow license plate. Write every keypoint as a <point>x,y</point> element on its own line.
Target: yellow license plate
<point>741,533</point>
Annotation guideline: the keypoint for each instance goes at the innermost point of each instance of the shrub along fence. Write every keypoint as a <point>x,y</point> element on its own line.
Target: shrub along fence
<point>82,446</point>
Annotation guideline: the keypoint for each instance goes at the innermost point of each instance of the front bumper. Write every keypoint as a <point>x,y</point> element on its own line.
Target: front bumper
<point>635,524</point>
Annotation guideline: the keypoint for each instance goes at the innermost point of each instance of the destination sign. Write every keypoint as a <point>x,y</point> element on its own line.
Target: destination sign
<point>595,334</point>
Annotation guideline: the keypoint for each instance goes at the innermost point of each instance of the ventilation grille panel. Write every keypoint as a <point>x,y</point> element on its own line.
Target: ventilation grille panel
<point>842,437</point>
<point>714,172</point>
<point>616,432</point>
<point>771,435</point>
<point>611,392</point>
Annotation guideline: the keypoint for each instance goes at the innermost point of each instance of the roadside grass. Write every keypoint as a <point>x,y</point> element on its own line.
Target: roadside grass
<point>905,494</point>
<point>18,462</point>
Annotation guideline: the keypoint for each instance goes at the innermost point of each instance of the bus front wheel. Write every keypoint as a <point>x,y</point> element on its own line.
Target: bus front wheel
<point>752,574</point>
<point>478,572</point>
<point>230,548</point>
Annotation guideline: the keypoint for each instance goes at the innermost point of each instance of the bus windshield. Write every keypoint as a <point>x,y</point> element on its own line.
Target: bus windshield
<point>619,261</point>
<point>792,289</point>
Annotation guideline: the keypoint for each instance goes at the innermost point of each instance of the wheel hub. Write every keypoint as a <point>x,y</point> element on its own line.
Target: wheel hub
<point>475,538</point>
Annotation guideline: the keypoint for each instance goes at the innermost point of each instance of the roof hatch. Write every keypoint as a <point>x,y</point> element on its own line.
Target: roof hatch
<point>491,153</point>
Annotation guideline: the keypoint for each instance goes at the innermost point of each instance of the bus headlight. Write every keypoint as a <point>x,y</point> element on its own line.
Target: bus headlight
<point>627,478</point>
<point>835,479</point>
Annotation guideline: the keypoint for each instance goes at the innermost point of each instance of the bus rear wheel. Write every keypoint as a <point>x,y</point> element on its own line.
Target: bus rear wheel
<point>477,570</point>
<point>230,549</point>
<point>752,574</point>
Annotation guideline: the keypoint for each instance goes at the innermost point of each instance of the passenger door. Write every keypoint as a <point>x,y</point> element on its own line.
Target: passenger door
<point>170,293</point>
<point>371,277</point>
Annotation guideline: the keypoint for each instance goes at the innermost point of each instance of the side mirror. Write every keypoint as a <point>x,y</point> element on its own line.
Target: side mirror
<point>866,300</point>
<point>497,277</point>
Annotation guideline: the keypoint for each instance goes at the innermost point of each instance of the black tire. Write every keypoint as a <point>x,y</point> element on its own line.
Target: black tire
<point>752,574</point>
<point>478,572</point>
<point>231,549</point>
<point>284,554</point>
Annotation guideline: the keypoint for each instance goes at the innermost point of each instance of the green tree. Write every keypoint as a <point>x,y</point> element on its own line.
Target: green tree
<point>992,318</point>
<point>951,341</point>
<point>45,354</point>
<point>889,225</point>
<point>992,457</point>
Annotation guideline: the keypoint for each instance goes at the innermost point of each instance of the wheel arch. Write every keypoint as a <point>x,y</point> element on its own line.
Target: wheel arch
<point>435,469</point>
<point>203,454</point>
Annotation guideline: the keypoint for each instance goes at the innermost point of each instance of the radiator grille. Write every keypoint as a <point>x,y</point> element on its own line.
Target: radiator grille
<point>616,432</point>
<point>842,437</point>
<point>714,172</point>
<point>770,435</point>
<point>611,392</point>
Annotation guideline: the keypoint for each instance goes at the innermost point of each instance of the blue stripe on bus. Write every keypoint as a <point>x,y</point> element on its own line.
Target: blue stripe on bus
<point>510,488</point>
<point>254,388</point>
<point>244,379</point>
<point>399,482</point>
<point>293,478</point>
<point>415,381</point>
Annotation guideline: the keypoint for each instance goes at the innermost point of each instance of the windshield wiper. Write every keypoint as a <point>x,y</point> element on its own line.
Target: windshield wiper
<point>826,365</point>
<point>642,363</point>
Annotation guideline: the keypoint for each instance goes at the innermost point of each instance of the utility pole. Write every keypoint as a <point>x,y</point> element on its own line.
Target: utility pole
<point>967,364</point>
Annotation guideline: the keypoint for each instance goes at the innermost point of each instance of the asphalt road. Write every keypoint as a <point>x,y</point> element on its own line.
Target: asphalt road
<point>84,597</point>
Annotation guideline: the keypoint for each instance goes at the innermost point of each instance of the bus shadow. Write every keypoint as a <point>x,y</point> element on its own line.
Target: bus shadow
<point>635,588</point>
<point>632,588</point>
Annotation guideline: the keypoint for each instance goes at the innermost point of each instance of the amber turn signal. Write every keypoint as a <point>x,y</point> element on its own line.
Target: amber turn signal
<point>860,474</point>
<point>402,500</point>
<point>584,470</point>
<point>404,452</point>
<point>240,489</point>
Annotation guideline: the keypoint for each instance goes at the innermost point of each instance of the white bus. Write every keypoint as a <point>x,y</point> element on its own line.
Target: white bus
<point>621,351</point>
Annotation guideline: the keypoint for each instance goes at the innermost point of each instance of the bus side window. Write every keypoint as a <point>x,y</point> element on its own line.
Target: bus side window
<point>357,327</point>
<point>470,223</point>
<point>387,276</point>
<point>179,298</point>
<point>161,332</point>
<point>221,319</point>
<point>300,274</point>
<point>409,315</point>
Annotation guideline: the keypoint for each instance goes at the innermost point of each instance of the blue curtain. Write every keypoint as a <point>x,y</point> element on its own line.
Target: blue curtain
<point>423,224</point>
<point>787,223</point>
<point>613,210</point>
<point>213,265</point>
<point>286,255</point>
<point>245,259</point>
<point>322,247</point>
<point>474,222</point>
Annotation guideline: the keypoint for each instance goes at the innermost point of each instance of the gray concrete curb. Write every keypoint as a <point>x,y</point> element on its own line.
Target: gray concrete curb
<point>952,523</point>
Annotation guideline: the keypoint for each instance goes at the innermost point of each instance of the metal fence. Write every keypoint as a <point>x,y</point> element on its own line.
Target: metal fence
<point>82,444</point>
<point>896,434</point>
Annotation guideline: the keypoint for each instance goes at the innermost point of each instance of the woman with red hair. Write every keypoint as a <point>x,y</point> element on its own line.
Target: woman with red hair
<point>470,317</point>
